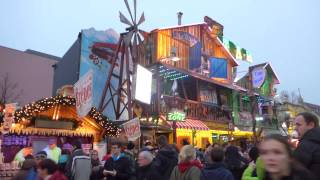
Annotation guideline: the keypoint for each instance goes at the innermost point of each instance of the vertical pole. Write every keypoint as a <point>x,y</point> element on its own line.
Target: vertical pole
<point>120,82</point>
<point>127,61</point>
<point>253,107</point>
<point>174,124</point>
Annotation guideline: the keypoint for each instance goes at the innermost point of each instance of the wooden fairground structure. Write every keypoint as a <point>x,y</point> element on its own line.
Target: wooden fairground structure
<point>54,117</point>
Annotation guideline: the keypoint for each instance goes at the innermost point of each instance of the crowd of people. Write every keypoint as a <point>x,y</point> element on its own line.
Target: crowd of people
<point>273,158</point>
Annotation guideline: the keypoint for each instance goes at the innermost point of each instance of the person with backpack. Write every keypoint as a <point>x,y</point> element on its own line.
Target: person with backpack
<point>78,166</point>
<point>216,169</point>
<point>308,150</point>
<point>189,168</point>
<point>166,158</point>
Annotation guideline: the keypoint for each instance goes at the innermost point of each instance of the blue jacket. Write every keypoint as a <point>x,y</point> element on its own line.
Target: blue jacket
<point>216,171</point>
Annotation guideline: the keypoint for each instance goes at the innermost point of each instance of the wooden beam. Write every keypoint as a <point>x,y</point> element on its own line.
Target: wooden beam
<point>184,89</point>
<point>108,82</point>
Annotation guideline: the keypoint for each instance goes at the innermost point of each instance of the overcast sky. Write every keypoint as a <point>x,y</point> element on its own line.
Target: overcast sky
<point>283,32</point>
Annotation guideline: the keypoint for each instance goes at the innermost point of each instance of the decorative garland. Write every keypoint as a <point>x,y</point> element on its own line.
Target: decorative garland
<point>42,105</point>
<point>28,111</point>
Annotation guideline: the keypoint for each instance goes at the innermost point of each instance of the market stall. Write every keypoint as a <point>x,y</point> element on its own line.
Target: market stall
<point>53,121</point>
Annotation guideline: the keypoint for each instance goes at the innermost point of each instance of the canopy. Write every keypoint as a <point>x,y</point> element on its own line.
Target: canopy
<point>191,124</point>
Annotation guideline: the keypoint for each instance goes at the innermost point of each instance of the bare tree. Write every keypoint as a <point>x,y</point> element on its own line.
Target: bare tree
<point>291,97</point>
<point>9,90</point>
<point>284,96</point>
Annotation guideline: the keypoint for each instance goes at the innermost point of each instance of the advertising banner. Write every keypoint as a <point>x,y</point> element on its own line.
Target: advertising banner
<point>132,129</point>
<point>97,51</point>
<point>83,94</point>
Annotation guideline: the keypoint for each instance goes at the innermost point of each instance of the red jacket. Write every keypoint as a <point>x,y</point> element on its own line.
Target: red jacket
<point>58,176</point>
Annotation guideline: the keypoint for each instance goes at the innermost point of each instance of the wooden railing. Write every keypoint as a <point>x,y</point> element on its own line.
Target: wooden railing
<point>195,109</point>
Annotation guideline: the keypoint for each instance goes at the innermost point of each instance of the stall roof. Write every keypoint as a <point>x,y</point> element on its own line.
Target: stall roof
<point>63,108</point>
<point>191,124</point>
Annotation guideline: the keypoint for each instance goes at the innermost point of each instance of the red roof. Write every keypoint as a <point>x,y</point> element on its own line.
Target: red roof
<point>191,124</point>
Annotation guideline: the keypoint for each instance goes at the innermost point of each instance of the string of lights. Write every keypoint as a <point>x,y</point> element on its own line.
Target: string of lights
<point>29,110</point>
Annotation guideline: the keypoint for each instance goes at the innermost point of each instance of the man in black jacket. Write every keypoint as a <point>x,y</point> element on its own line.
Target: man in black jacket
<point>308,150</point>
<point>166,159</point>
<point>146,169</point>
<point>216,169</point>
<point>118,166</point>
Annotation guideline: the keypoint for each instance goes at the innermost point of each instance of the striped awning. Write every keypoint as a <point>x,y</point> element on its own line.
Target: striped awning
<point>191,124</point>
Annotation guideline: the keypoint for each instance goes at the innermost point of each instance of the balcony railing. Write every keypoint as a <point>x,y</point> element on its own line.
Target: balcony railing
<point>195,109</point>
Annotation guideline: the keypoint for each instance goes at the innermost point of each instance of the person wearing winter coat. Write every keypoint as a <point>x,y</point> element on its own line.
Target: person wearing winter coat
<point>118,167</point>
<point>216,169</point>
<point>255,170</point>
<point>78,166</point>
<point>28,167</point>
<point>48,170</point>
<point>308,150</point>
<point>188,168</point>
<point>146,169</point>
<point>166,158</point>
<point>276,154</point>
<point>233,162</point>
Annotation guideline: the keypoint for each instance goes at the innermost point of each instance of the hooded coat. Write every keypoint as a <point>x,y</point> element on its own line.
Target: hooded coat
<point>234,163</point>
<point>148,172</point>
<point>308,151</point>
<point>216,171</point>
<point>165,161</point>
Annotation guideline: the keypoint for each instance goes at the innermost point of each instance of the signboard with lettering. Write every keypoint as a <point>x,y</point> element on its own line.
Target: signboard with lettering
<point>176,115</point>
<point>83,94</point>
<point>258,77</point>
<point>8,117</point>
<point>132,129</point>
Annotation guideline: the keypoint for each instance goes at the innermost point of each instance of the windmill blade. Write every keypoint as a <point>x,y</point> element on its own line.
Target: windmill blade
<point>135,39</point>
<point>124,20</point>
<point>143,33</point>
<point>134,46</point>
<point>135,11</point>
<point>140,41</point>
<point>141,20</point>
<point>127,4</point>
<point>128,37</point>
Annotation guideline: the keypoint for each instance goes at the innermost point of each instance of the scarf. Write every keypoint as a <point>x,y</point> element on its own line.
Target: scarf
<point>184,166</point>
<point>116,158</point>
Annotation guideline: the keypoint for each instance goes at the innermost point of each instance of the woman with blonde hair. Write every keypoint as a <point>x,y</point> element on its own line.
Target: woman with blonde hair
<point>188,167</point>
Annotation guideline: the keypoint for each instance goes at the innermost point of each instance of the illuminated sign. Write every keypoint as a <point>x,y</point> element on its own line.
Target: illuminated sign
<point>176,116</point>
<point>258,77</point>
<point>185,36</point>
<point>143,85</point>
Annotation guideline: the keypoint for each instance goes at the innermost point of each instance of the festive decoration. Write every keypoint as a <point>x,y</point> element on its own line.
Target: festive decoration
<point>42,105</point>
<point>29,111</point>
<point>111,129</point>
<point>171,74</point>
